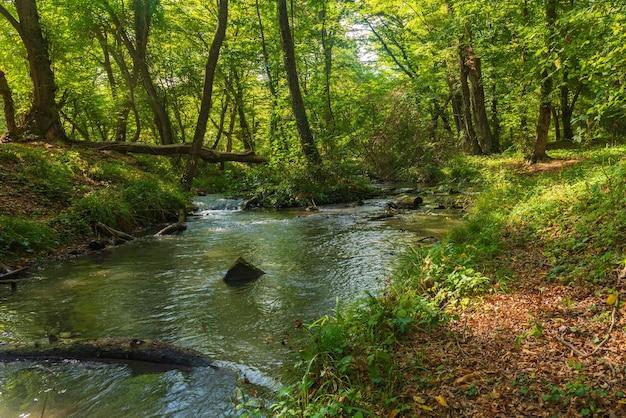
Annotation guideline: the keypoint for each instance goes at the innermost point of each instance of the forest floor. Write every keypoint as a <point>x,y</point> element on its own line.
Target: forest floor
<point>526,352</point>
<point>51,197</point>
<point>518,312</point>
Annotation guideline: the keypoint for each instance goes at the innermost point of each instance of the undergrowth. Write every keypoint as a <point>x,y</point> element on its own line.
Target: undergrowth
<point>572,217</point>
<point>53,196</point>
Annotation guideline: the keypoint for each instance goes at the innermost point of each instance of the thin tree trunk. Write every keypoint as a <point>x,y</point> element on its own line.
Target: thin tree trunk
<point>456,101</point>
<point>470,144</point>
<point>495,119</point>
<point>229,135</point>
<point>327,48</point>
<point>76,127</point>
<point>207,95</point>
<point>9,106</point>
<point>143,10</point>
<point>567,108</point>
<point>131,85</point>
<point>545,107</point>
<point>220,125</point>
<point>108,68</point>
<point>557,125</point>
<point>43,118</point>
<point>246,134</point>
<point>306,136</point>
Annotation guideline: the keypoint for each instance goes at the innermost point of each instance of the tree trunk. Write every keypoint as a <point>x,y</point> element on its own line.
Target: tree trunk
<point>545,107</point>
<point>456,101</point>
<point>474,70</point>
<point>229,134</point>
<point>470,143</point>
<point>327,48</point>
<point>220,125</point>
<point>206,154</point>
<point>143,10</point>
<point>43,118</point>
<point>9,106</point>
<point>143,15</point>
<point>131,84</point>
<point>567,108</point>
<point>207,95</point>
<point>557,125</point>
<point>306,136</point>
<point>246,134</point>
<point>110,349</point>
<point>495,119</point>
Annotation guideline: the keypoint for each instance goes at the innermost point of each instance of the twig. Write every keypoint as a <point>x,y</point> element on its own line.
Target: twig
<point>607,337</point>
<point>620,276</point>
<point>579,352</point>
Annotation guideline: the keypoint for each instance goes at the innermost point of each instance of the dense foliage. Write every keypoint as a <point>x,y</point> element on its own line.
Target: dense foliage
<point>384,82</point>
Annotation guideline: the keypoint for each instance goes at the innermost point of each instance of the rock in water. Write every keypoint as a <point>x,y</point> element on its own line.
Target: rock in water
<point>406,202</point>
<point>242,272</point>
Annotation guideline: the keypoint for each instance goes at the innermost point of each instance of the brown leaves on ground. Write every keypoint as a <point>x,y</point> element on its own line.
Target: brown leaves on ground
<point>544,166</point>
<point>506,356</point>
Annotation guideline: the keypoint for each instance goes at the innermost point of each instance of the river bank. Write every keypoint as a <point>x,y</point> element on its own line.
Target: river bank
<point>516,312</point>
<point>51,198</point>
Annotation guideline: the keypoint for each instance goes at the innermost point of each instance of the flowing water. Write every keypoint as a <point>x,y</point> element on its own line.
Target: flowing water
<point>171,289</point>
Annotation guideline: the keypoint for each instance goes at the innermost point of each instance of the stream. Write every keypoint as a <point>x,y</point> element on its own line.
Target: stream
<point>171,289</point>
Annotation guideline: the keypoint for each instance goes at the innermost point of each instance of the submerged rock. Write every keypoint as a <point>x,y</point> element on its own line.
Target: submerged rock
<point>242,272</point>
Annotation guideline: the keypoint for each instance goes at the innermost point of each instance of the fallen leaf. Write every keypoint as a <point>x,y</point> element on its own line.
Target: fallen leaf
<point>611,299</point>
<point>467,378</point>
<point>441,401</point>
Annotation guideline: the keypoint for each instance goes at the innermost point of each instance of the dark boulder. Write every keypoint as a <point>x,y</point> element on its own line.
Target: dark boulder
<point>98,244</point>
<point>242,272</point>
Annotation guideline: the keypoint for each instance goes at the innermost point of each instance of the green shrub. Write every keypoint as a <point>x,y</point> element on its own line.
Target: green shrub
<point>151,200</point>
<point>19,236</point>
<point>106,206</point>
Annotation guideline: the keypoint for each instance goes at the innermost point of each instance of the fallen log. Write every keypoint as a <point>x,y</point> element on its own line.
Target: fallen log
<point>206,154</point>
<point>110,349</point>
<point>14,274</point>
<point>172,229</point>
<point>120,237</point>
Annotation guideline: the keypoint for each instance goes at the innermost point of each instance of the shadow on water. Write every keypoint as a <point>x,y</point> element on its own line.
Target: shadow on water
<point>171,289</point>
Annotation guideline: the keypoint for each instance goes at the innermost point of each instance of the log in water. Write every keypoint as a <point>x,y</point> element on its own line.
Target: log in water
<point>107,349</point>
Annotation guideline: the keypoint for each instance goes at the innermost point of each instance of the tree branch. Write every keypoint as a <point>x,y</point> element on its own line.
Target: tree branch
<point>12,20</point>
<point>389,51</point>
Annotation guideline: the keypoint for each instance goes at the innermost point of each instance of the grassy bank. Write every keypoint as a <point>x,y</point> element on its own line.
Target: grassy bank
<point>505,316</point>
<point>50,197</point>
